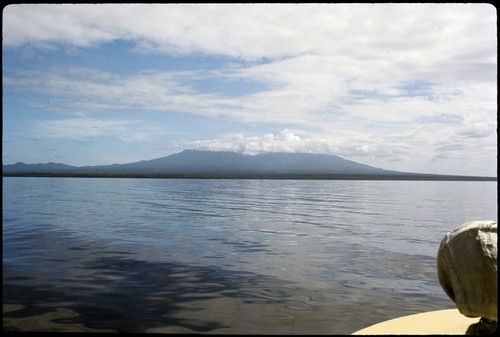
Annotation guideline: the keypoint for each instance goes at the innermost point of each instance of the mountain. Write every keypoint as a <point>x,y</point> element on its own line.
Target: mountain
<point>220,164</point>
<point>200,162</point>
<point>39,168</point>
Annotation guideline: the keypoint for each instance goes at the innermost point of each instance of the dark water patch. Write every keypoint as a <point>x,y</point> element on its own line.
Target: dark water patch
<point>129,295</point>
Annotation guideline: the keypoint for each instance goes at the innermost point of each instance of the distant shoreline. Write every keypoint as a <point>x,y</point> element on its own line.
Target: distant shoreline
<point>270,176</point>
<point>195,164</point>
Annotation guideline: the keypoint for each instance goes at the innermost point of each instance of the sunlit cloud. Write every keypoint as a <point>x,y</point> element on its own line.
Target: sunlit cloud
<point>284,141</point>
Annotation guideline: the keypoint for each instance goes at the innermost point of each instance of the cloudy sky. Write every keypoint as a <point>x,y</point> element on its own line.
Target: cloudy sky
<point>402,87</point>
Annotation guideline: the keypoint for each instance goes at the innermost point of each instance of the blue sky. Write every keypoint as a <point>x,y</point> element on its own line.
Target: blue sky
<point>410,87</point>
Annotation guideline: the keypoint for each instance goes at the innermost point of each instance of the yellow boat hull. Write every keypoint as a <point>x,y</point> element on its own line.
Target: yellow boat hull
<point>441,322</point>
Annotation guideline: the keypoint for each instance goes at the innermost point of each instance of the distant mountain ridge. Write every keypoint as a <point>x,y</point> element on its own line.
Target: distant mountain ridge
<point>49,167</point>
<point>195,163</point>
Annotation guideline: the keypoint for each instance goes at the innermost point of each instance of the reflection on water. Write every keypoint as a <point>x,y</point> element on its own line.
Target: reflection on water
<point>109,290</point>
<point>226,256</point>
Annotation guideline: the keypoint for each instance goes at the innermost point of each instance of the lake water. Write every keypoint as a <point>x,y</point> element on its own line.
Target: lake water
<point>226,256</point>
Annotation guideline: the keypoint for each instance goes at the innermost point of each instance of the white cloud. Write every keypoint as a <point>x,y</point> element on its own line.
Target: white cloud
<point>441,33</point>
<point>319,54</point>
<point>284,141</point>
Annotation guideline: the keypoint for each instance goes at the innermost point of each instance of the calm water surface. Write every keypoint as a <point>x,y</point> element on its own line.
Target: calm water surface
<point>226,256</point>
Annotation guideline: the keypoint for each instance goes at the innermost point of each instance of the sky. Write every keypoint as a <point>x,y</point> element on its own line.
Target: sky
<point>408,87</point>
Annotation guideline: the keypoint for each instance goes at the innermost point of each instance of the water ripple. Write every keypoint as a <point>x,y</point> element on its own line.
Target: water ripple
<point>226,256</point>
